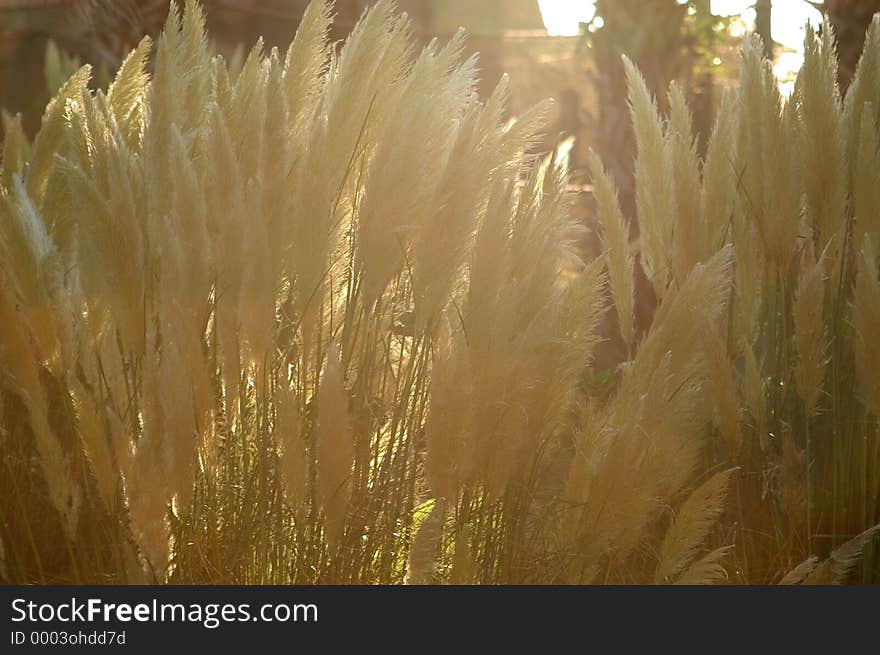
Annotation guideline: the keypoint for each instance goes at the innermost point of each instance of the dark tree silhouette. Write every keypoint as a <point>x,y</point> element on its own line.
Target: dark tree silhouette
<point>763,25</point>
<point>850,20</point>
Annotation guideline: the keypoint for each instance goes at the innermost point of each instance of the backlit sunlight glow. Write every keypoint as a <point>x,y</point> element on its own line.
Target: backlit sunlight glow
<point>789,18</point>
<point>564,18</point>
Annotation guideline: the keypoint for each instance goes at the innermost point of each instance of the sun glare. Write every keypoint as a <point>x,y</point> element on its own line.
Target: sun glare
<point>564,17</point>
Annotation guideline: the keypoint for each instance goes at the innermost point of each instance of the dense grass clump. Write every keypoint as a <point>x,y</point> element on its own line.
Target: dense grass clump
<point>792,186</point>
<point>322,320</point>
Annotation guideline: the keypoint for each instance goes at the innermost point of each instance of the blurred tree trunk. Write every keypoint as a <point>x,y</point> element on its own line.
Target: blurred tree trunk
<point>763,26</point>
<point>850,20</point>
<point>652,35</point>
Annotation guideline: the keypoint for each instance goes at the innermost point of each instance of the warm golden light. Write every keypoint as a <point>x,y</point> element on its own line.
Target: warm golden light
<point>564,17</point>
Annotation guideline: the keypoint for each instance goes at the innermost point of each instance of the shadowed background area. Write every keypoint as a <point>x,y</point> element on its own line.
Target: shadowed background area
<point>509,34</point>
<point>565,49</point>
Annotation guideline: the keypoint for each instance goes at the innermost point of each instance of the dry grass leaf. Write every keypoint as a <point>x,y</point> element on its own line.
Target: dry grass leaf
<point>689,529</point>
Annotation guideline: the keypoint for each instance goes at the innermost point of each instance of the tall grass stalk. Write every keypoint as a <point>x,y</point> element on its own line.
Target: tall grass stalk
<point>322,319</point>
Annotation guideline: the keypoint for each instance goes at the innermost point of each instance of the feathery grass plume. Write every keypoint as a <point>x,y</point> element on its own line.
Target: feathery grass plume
<point>810,337</point>
<point>363,82</point>
<point>582,305</point>
<point>194,61</point>
<point>619,252</point>
<point>522,136</point>
<point>182,239</point>
<point>29,251</point>
<point>487,263</point>
<point>679,371</point>
<point>750,136</point>
<point>21,373</point>
<point>104,224</point>
<point>53,207</point>
<point>444,237</point>
<point>413,136</point>
<point>179,420</point>
<point>865,190</point>
<point>179,88</point>
<point>126,95</point>
<point>147,498</point>
<point>653,426</point>
<point>780,221</point>
<point>485,316</point>
<point>706,570</point>
<point>305,64</point>
<point>653,174</point>
<point>516,364</point>
<point>749,177</point>
<point>690,527</point>
<point>556,366</point>
<point>862,98</point>
<point>277,156</point>
<point>824,148</point>
<point>53,133</point>
<point>225,215</point>
<point>589,531</point>
<point>247,111</point>
<point>769,198</point>
<point>540,238</point>
<point>258,292</point>
<point>27,246</point>
<point>96,443</point>
<point>177,97</point>
<point>689,228</point>
<point>184,244</point>
<point>753,195</point>
<point>614,507</point>
<point>719,190</point>
<point>866,320</point>
<point>799,573</point>
<point>149,484</point>
<point>16,149</point>
<point>840,563</point>
<point>335,448</point>
<point>675,330</point>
